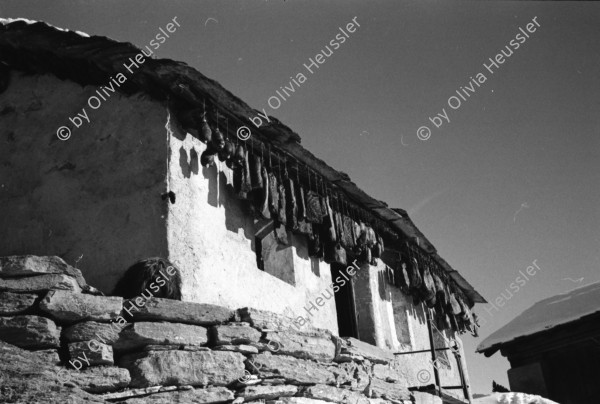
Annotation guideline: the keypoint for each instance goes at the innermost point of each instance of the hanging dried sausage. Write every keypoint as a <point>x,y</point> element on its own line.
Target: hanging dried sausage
<point>314,208</point>
<point>281,213</point>
<point>273,195</point>
<point>255,172</point>
<point>265,200</point>
<point>205,132</point>
<point>291,205</point>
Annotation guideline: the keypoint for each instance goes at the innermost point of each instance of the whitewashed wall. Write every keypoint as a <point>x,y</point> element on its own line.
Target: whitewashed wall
<point>212,240</point>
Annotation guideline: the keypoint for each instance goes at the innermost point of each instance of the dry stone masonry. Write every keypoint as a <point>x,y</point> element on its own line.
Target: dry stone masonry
<point>62,341</point>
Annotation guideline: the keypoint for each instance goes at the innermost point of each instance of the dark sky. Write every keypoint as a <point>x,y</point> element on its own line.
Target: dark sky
<point>512,178</point>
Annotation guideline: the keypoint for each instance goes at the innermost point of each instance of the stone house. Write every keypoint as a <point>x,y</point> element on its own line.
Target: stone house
<point>136,178</point>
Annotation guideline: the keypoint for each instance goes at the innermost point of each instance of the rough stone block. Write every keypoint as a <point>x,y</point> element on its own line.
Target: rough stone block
<point>211,395</point>
<point>295,371</point>
<point>27,265</point>
<point>130,393</point>
<point>91,353</point>
<point>334,394</point>
<point>342,358</point>
<point>140,334</point>
<point>33,380</point>
<point>382,401</point>
<point>306,345</point>
<point>267,392</point>
<point>425,398</point>
<point>353,346</point>
<point>184,367</point>
<point>12,304</point>
<point>264,320</point>
<point>301,400</point>
<point>352,375</point>
<point>41,283</point>
<point>387,373</point>
<point>233,334</point>
<point>175,311</point>
<point>101,379</point>
<point>149,348</point>
<point>71,307</point>
<point>263,346</point>
<point>389,391</point>
<point>49,356</point>
<point>243,349</point>
<point>92,330</point>
<point>273,382</point>
<point>31,332</point>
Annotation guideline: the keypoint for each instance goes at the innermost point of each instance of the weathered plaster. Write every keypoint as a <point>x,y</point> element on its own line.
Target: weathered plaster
<point>211,238</point>
<point>388,304</point>
<point>94,199</point>
<point>364,302</point>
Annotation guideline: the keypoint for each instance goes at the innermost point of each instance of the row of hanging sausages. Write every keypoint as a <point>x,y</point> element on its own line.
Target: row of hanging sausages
<point>304,209</point>
<point>294,206</point>
<point>332,227</point>
<point>427,282</point>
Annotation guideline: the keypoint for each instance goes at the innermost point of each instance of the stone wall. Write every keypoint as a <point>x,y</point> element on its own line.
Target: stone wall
<point>62,341</point>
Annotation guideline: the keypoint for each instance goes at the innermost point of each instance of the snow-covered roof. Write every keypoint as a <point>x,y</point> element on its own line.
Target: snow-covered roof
<point>545,315</point>
<point>513,398</point>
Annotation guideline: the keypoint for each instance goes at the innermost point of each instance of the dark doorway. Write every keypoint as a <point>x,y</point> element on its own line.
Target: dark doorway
<point>344,302</point>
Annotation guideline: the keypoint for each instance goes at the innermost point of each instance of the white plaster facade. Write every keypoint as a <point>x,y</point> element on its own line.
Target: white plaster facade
<point>212,240</point>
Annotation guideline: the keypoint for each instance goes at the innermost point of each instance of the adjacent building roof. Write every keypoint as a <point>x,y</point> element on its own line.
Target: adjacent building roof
<point>545,315</point>
<point>37,47</point>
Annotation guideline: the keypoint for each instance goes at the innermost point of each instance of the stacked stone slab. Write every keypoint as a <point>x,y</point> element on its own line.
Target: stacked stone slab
<point>41,300</point>
<point>162,351</point>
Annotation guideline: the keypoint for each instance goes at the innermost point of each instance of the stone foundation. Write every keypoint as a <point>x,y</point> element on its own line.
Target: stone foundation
<point>62,340</point>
